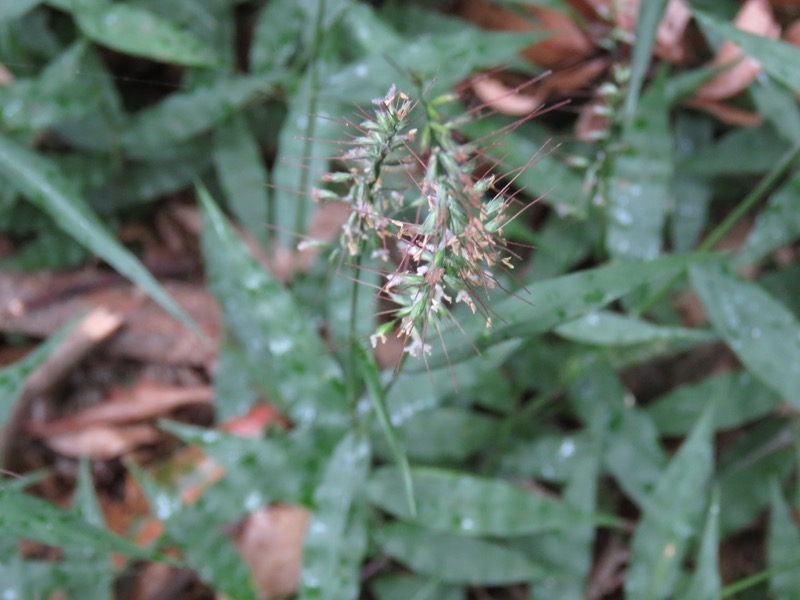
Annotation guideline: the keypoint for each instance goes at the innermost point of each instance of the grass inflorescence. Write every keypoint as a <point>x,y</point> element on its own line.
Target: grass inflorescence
<point>444,226</point>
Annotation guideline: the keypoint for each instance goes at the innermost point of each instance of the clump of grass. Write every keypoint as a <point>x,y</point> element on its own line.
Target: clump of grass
<point>445,225</point>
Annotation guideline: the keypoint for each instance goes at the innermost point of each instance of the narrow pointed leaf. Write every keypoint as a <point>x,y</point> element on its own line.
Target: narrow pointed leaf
<point>776,225</point>
<point>13,377</point>
<point>27,517</point>
<point>456,559</point>
<point>86,506</point>
<point>55,96</point>
<point>741,398</point>
<point>241,172</point>
<point>779,59</point>
<point>336,538</point>
<point>305,381</point>
<point>545,305</point>
<point>13,10</point>
<point>572,549</point>
<point>640,183</point>
<point>377,396</point>
<point>650,15</point>
<point>44,185</point>
<point>671,517</point>
<point>629,440</point>
<point>134,30</point>
<point>783,548</point>
<point>184,115</point>
<point>763,333</point>
<point>454,502</point>
<point>606,328</point>
<point>706,582</point>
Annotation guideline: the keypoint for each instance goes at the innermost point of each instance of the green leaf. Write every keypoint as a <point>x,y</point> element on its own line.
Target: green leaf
<point>377,396</point>
<point>468,433</point>
<point>606,328</point>
<point>304,152</point>
<point>759,454</point>
<point>570,551</point>
<point>86,506</point>
<point>14,377</point>
<point>630,442</point>
<point>455,559</point>
<point>133,30</point>
<point>725,157</point>
<point>57,95</point>
<point>144,182</point>
<point>260,470</point>
<point>234,392</point>
<point>740,396</point>
<point>639,189</point>
<point>14,10</point>
<point>706,582</point>
<point>453,502</point>
<point>763,333</point>
<point>23,516</point>
<point>670,517</point>
<point>241,172</point>
<point>778,106</point>
<point>444,59</point>
<point>335,541</point>
<point>406,587</point>
<point>780,59</point>
<point>42,183</point>
<point>547,304</point>
<point>691,194</point>
<point>279,341</point>
<point>549,457</point>
<point>783,547</point>
<point>277,36</point>
<point>777,224</point>
<point>182,116</point>
<point>198,530</point>
<point>650,15</point>
<point>206,548</point>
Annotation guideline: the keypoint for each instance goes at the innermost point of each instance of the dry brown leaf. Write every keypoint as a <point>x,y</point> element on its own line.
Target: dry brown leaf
<point>755,16</point>
<point>254,422</point>
<point>102,442</point>
<point>39,304</point>
<point>792,34</point>
<point>566,43</point>
<point>726,114</point>
<point>503,99</point>
<point>506,100</point>
<point>271,541</point>
<point>6,77</point>
<point>145,401</point>
<point>669,37</point>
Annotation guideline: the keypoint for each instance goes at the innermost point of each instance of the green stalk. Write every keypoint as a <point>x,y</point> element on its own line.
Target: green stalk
<point>313,86</point>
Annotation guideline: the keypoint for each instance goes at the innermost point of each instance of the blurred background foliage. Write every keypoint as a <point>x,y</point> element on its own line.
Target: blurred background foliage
<point>628,427</point>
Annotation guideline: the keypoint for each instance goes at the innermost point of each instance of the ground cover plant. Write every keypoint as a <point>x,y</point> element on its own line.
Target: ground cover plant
<point>434,300</point>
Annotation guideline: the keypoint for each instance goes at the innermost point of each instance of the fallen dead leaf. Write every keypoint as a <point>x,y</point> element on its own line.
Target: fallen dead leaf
<point>726,113</point>
<point>792,34</point>
<point>143,402</point>
<point>39,304</point>
<point>271,541</point>
<point>755,16</point>
<point>669,37</point>
<point>565,44</point>
<point>102,442</point>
